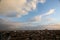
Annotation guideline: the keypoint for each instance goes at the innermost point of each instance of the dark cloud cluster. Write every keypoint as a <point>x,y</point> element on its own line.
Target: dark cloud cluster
<point>8,25</point>
<point>4,24</point>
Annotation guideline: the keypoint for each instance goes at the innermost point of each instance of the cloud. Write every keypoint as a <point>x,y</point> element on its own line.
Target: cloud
<point>51,11</point>
<point>42,1</point>
<point>39,17</point>
<point>19,7</point>
<point>6,24</point>
<point>50,19</point>
<point>36,19</point>
<point>0,0</point>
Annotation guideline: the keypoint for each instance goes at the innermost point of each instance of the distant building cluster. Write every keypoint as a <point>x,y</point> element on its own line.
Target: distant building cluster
<point>30,35</point>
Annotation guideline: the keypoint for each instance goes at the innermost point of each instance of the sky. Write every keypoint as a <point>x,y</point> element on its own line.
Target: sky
<point>29,12</point>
